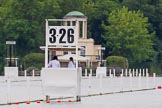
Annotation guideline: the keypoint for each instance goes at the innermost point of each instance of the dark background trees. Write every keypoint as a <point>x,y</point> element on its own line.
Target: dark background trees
<point>24,22</point>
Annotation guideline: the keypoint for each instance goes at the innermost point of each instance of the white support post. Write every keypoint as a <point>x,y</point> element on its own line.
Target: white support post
<point>154,75</point>
<point>147,74</point>
<point>122,73</point>
<point>136,72</point>
<point>110,73</point>
<point>76,50</point>
<point>139,72</point>
<point>25,73</point>
<point>126,72</point>
<point>46,47</point>
<point>129,72</point>
<point>33,73</point>
<point>91,72</point>
<point>113,72</point>
<point>143,73</point>
<point>85,73</point>
<point>133,73</point>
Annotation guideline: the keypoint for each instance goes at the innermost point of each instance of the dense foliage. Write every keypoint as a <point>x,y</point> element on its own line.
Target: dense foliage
<point>134,25</point>
<point>128,30</point>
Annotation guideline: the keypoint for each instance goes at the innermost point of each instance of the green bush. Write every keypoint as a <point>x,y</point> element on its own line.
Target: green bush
<point>34,60</point>
<point>117,61</point>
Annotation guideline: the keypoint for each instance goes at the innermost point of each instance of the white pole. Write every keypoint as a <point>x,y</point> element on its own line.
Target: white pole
<point>136,72</point>
<point>126,72</point>
<point>133,72</point>
<point>76,50</point>
<point>91,72</point>
<point>33,73</point>
<point>154,75</point>
<point>143,72</point>
<point>46,47</point>
<point>147,74</point>
<point>129,72</point>
<point>139,72</point>
<point>25,73</point>
<point>77,28</point>
<point>122,73</point>
<point>78,98</point>
<point>110,73</point>
<point>114,72</point>
<point>85,73</point>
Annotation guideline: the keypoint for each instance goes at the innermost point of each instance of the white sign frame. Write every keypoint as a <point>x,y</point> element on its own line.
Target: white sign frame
<point>56,44</point>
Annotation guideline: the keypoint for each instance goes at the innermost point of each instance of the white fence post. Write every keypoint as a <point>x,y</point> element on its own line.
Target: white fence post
<point>126,72</point>
<point>130,72</point>
<point>85,73</point>
<point>33,73</point>
<point>114,72</point>
<point>91,72</point>
<point>139,72</point>
<point>143,73</point>
<point>133,73</point>
<point>25,74</point>
<point>136,72</point>
<point>110,73</point>
<point>122,73</point>
<point>154,75</point>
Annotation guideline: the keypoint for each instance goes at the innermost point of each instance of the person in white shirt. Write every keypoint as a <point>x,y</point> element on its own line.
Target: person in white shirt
<point>54,63</point>
<point>71,63</point>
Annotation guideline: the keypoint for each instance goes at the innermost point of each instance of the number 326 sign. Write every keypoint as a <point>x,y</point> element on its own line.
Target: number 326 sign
<point>61,35</point>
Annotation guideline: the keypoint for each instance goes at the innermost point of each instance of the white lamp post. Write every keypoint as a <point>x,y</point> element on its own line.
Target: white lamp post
<point>10,44</point>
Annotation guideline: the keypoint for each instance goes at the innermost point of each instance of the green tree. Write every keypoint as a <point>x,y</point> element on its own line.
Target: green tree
<point>153,10</point>
<point>127,35</point>
<point>99,9</point>
<point>25,23</point>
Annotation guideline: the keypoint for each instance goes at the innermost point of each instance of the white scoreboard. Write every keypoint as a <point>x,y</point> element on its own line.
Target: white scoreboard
<point>61,35</point>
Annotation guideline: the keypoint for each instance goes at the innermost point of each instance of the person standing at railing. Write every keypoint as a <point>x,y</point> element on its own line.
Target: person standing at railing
<point>54,63</point>
<point>71,63</point>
